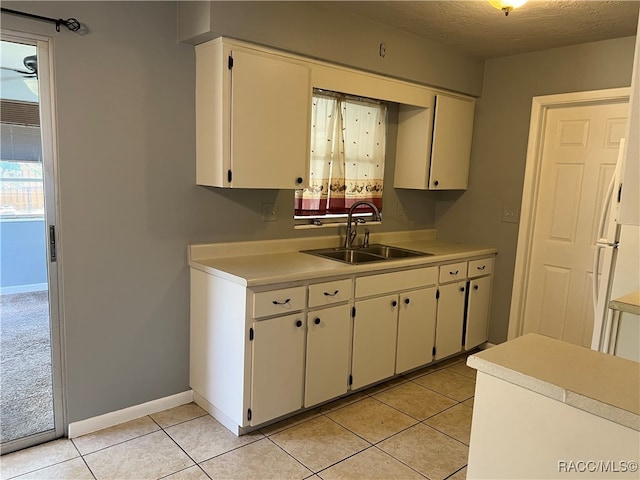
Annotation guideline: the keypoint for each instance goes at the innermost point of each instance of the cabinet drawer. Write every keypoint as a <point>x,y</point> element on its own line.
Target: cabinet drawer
<point>395,281</point>
<point>329,292</point>
<point>277,302</point>
<point>452,272</point>
<point>478,268</point>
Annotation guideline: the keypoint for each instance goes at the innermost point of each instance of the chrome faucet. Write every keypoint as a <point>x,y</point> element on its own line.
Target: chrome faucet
<point>352,233</point>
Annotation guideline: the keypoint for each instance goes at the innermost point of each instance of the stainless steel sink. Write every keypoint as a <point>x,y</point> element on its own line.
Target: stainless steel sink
<point>372,253</point>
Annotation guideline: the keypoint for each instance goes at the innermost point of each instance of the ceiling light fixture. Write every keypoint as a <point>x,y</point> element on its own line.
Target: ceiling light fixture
<point>507,5</point>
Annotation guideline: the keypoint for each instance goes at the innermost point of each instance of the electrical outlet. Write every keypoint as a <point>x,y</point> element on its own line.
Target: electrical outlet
<point>510,215</point>
<point>269,212</point>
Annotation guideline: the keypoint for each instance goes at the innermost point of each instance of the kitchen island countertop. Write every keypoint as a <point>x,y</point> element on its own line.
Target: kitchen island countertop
<point>600,384</point>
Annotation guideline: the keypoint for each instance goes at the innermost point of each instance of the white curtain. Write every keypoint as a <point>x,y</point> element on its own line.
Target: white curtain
<point>347,155</point>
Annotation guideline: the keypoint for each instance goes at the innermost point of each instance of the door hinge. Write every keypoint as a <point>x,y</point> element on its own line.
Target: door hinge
<point>353,312</point>
<point>230,64</point>
<point>437,294</point>
<point>250,334</point>
<point>350,379</point>
<point>249,414</point>
<point>52,243</point>
<point>434,351</point>
<point>229,175</point>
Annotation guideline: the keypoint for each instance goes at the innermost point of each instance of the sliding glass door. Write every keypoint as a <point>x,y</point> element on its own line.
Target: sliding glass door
<point>30,366</point>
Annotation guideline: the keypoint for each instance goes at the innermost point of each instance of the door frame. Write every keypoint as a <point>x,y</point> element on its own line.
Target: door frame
<point>48,129</point>
<point>539,109</point>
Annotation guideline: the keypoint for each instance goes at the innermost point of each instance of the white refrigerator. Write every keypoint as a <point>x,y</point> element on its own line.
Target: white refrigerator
<point>616,273</point>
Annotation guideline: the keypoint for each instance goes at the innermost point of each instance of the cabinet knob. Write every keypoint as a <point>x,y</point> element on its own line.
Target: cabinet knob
<point>407,301</point>
<point>475,287</point>
<point>299,180</point>
<point>317,321</point>
<point>394,303</point>
<point>462,289</point>
<point>299,323</point>
<point>436,183</point>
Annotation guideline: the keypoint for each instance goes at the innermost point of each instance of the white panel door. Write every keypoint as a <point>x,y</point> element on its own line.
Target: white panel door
<point>328,348</point>
<point>579,153</point>
<point>277,367</point>
<point>416,329</point>
<point>374,340</point>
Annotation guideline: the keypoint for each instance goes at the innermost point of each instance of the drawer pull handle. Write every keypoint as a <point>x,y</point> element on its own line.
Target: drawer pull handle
<point>327,294</point>
<point>454,273</point>
<point>275,302</point>
<point>317,321</point>
<point>394,303</point>
<point>407,301</point>
<point>482,267</point>
<point>299,323</point>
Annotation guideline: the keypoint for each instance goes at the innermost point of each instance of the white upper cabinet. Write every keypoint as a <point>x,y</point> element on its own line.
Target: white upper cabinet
<point>252,117</point>
<point>434,144</point>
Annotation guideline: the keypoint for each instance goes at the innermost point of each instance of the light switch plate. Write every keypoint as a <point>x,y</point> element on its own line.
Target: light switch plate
<point>510,215</point>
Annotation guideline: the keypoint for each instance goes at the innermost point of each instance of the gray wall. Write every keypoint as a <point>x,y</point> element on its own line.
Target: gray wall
<point>500,146</point>
<point>129,205</point>
<point>317,30</point>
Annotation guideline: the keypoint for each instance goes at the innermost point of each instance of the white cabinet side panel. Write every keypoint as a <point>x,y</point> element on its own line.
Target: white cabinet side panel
<point>218,339</point>
<point>519,434</point>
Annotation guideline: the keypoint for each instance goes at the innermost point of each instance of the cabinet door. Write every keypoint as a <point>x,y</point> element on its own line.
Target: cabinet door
<point>277,367</point>
<point>328,348</point>
<point>374,340</point>
<point>416,329</point>
<point>450,319</point>
<point>451,145</point>
<point>270,115</point>
<point>478,312</point>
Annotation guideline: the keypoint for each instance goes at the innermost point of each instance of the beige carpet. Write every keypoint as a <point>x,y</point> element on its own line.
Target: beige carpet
<point>26,393</point>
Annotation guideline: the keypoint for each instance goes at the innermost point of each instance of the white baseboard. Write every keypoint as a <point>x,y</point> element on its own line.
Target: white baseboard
<point>82,427</point>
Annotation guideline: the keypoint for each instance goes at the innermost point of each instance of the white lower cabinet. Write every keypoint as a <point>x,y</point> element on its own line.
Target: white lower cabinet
<point>478,305</point>
<point>328,349</point>
<point>260,354</point>
<point>416,329</point>
<point>374,340</point>
<point>277,367</point>
<point>450,319</point>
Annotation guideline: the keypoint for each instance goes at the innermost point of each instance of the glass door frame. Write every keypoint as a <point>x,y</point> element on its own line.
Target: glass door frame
<point>46,102</point>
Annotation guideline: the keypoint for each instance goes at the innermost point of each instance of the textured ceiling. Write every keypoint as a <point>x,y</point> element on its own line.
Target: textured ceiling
<point>475,27</point>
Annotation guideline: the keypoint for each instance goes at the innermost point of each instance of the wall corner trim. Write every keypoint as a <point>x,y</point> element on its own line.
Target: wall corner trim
<point>83,427</point>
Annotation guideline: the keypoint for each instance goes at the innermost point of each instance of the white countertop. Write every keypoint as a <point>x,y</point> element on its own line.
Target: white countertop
<point>601,384</point>
<point>629,303</point>
<point>280,261</point>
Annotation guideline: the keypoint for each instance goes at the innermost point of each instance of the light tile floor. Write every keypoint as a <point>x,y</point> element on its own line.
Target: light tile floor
<point>414,426</point>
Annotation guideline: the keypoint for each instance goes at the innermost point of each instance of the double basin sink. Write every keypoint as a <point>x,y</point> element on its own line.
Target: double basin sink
<point>372,253</point>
